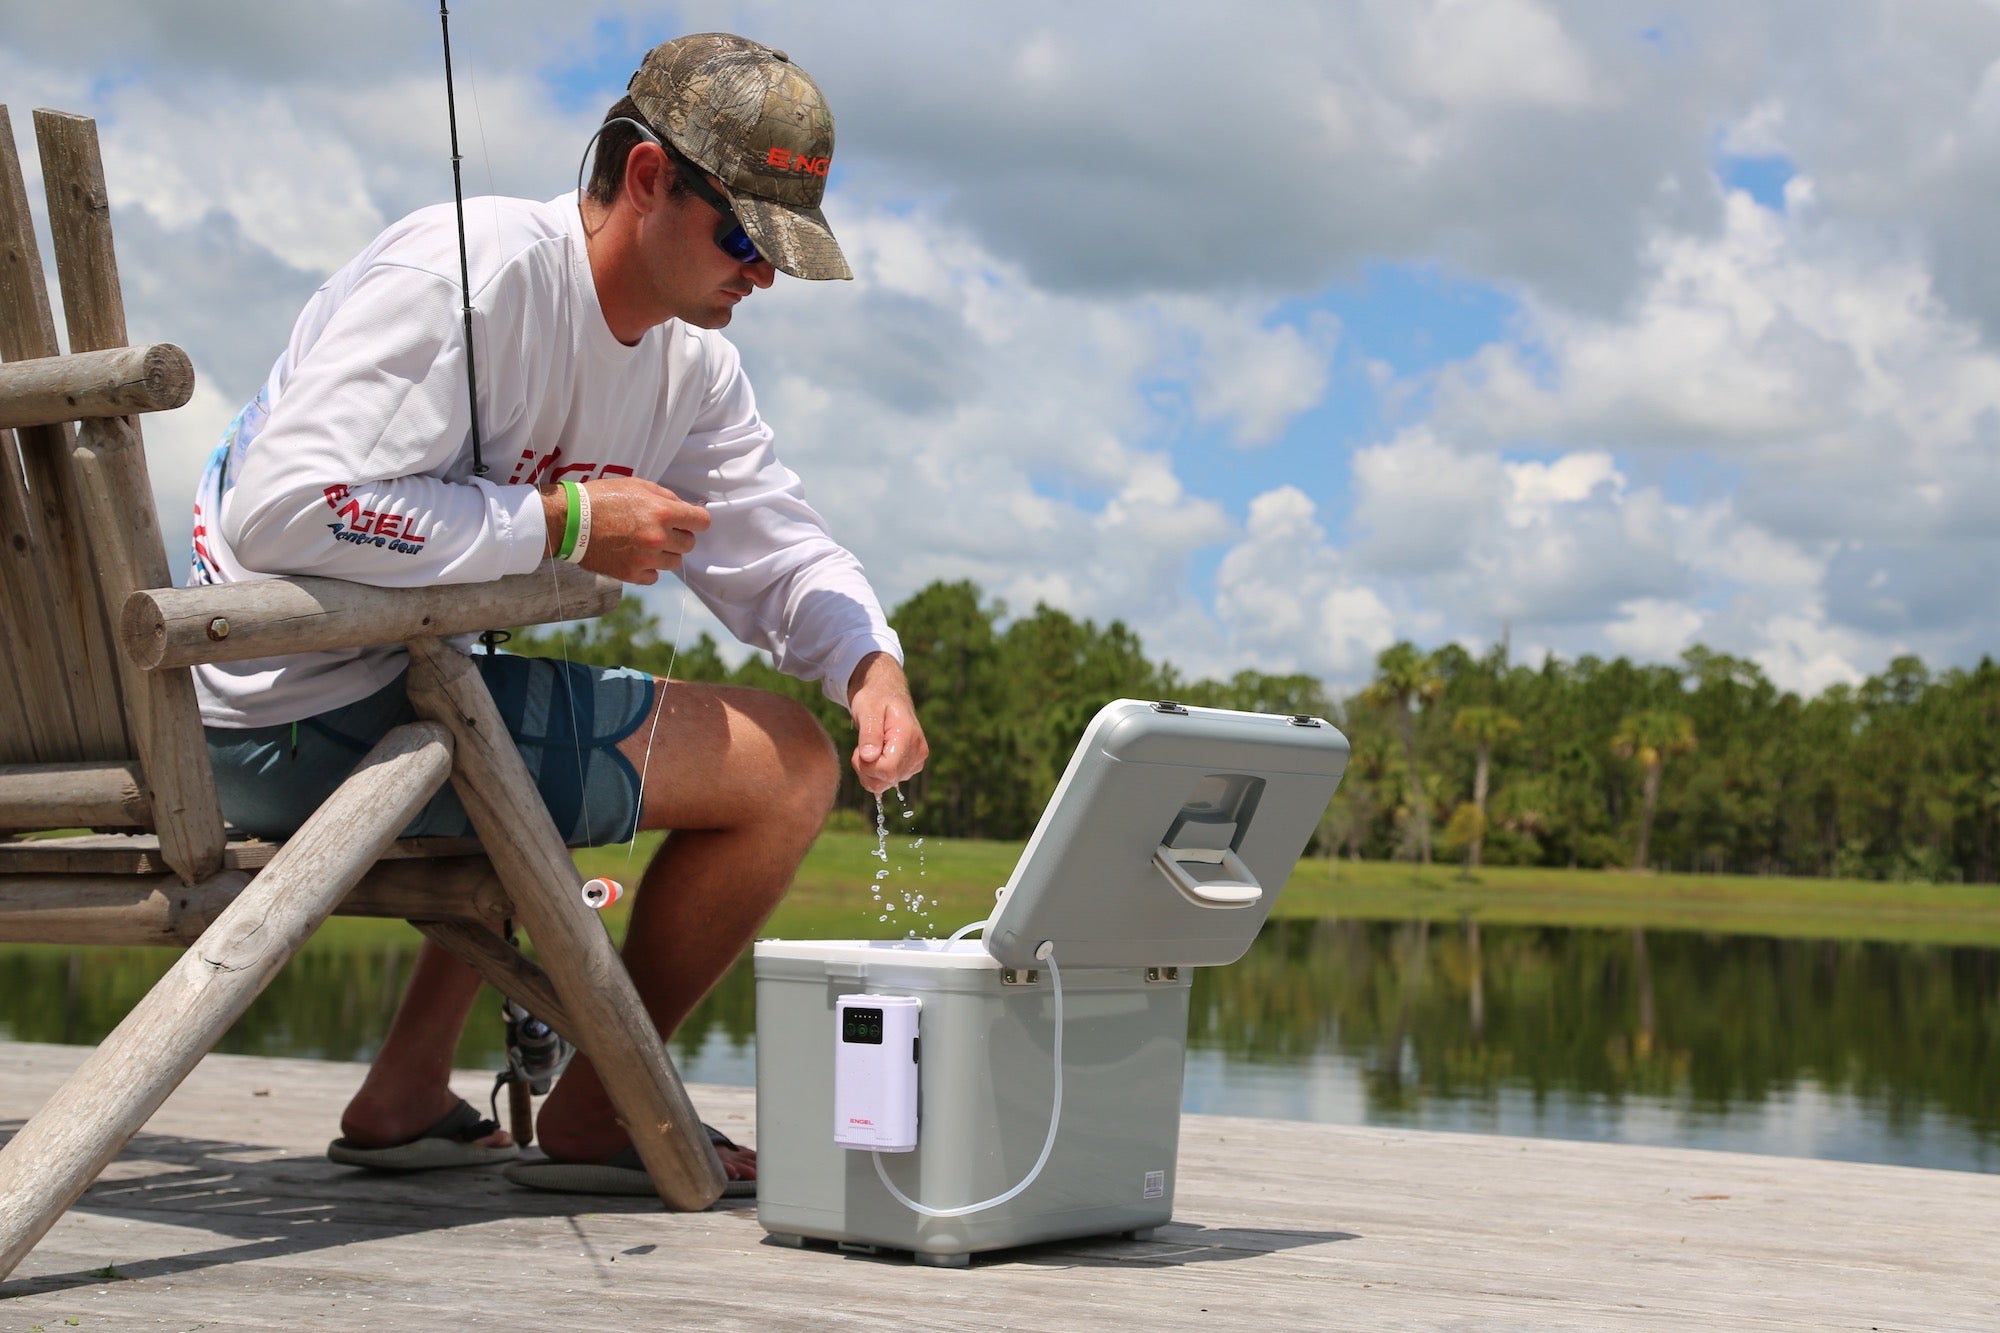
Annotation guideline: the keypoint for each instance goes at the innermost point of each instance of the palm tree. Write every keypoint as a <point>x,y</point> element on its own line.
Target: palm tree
<point>1407,680</point>
<point>1652,737</point>
<point>1485,727</point>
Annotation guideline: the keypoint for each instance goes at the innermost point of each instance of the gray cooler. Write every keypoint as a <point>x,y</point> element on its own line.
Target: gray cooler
<point>1169,836</point>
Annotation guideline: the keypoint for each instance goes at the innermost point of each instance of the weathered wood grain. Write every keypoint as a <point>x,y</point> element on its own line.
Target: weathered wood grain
<point>22,735</point>
<point>58,647</point>
<point>609,1020</point>
<point>139,854</point>
<point>60,1151</point>
<point>117,502</point>
<point>159,910</point>
<point>505,968</point>
<point>163,717</point>
<point>58,796</point>
<point>166,627</point>
<point>80,229</point>
<point>225,1213</point>
<point>114,382</point>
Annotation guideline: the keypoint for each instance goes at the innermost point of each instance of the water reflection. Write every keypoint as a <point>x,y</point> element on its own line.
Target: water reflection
<point>1865,1051</point>
<point>1871,1052</point>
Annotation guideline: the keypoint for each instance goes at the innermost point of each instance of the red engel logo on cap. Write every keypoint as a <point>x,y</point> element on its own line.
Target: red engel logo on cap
<point>784,159</point>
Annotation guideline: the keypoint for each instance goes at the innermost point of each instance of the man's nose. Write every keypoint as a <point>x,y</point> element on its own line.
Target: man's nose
<point>763,272</point>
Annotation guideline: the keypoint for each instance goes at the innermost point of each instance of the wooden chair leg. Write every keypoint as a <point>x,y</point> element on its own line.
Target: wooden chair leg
<point>505,969</point>
<point>104,1103</point>
<point>611,1023</point>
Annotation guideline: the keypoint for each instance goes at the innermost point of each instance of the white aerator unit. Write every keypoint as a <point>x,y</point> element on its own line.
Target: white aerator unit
<point>951,1096</point>
<point>875,1072</point>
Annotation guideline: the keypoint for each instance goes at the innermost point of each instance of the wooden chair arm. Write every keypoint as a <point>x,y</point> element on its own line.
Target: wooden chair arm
<point>115,382</point>
<point>177,627</point>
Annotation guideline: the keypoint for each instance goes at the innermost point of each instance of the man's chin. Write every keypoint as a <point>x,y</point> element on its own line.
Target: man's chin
<point>716,317</point>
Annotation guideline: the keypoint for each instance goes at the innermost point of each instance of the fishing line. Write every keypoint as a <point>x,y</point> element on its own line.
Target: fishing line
<point>652,734</point>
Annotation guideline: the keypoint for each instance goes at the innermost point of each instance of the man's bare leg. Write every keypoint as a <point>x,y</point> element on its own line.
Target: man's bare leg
<point>745,780</point>
<point>408,1087</point>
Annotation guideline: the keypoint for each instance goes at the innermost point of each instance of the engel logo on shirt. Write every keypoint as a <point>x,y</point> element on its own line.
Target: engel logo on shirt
<point>366,527</point>
<point>532,469</point>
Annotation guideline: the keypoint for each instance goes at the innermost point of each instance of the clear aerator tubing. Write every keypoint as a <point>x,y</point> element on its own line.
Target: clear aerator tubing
<point>1046,954</point>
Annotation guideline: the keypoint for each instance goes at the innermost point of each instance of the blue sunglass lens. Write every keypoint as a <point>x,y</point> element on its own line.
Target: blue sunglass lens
<point>736,243</point>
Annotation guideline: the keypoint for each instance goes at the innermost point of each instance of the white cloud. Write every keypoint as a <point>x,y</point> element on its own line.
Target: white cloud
<point>1420,505</point>
<point>1288,601</point>
<point>1256,378</point>
<point>1537,488</point>
<point>313,213</point>
<point>1803,653</point>
<point>954,421</point>
<point>1652,629</point>
<point>1476,54</point>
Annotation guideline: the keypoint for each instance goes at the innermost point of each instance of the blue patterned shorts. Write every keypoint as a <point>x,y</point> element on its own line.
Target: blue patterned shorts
<point>566,718</point>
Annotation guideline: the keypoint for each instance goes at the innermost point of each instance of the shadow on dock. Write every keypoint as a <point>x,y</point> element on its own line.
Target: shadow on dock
<point>273,1203</point>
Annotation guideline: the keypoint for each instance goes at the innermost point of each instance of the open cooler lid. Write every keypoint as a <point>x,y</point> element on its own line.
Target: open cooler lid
<point>1168,838</point>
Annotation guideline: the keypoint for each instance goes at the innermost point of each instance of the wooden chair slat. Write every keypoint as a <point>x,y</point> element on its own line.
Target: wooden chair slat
<point>161,712</point>
<point>27,324</point>
<point>28,731</point>
<point>80,225</point>
<point>73,622</point>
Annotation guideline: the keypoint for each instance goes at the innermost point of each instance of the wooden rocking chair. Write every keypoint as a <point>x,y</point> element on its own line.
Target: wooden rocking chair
<point>99,730</point>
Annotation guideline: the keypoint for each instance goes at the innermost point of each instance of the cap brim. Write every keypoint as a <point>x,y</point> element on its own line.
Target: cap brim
<point>794,238</point>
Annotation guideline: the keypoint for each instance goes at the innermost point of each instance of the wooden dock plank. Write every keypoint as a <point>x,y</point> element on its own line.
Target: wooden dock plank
<point>224,1215</point>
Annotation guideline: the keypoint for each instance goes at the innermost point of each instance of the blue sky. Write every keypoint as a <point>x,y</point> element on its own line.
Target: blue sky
<point>1630,332</point>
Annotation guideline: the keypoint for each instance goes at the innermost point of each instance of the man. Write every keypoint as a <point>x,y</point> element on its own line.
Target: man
<point>616,429</point>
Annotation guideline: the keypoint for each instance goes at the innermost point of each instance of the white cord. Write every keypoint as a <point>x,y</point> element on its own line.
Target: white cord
<point>967,929</point>
<point>652,733</point>
<point>1048,1144</point>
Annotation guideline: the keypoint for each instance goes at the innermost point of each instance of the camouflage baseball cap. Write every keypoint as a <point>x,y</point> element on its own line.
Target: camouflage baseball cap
<point>747,115</point>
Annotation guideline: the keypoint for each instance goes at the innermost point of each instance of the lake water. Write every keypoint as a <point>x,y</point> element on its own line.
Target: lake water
<point>1859,1051</point>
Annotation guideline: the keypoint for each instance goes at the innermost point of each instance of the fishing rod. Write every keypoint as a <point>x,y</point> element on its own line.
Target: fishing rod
<point>535,1054</point>
<point>464,267</point>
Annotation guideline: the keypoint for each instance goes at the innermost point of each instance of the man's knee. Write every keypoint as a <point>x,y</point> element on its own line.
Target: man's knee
<point>806,754</point>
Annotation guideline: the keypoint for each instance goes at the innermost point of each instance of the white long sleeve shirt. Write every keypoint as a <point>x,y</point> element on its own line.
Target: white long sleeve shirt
<point>355,460</point>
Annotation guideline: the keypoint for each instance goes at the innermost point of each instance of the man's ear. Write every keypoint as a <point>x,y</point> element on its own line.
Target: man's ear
<point>649,172</point>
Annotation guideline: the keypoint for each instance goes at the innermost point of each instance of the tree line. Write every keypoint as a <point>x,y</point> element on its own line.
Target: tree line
<point>1702,765</point>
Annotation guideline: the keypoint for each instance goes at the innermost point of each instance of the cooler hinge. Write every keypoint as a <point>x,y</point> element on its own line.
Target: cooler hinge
<point>1163,974</point>
<point>1027,976</point>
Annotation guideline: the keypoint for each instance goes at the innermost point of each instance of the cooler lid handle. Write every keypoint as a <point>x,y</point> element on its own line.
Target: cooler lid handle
<point>1209,877</point>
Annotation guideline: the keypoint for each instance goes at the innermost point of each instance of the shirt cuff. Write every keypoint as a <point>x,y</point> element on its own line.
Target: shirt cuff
<point>524,530</point>
<point>842,661</point>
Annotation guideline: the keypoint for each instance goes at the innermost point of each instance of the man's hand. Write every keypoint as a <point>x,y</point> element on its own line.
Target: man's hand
<point>892,747</point>
<point>637,527</point>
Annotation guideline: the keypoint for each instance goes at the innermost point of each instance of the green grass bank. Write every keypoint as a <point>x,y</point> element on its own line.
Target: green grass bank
<point>832,899</point>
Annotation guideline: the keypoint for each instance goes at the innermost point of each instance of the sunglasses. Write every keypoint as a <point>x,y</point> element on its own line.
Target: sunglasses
<point>730,238</point>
